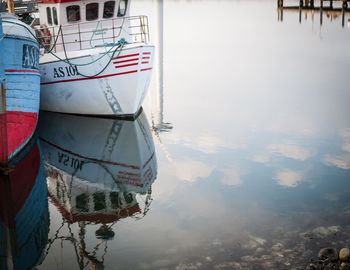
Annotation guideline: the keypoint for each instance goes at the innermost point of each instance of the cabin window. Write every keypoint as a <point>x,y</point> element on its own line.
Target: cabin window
<point>91,11</point>
<point>108,9</point>
<point>73,13</point>
<point>49,17</point>
<point>99,201</point>
<point>54,13</point>
<point>115,203</point>
<point>82,202</point>
<point>122,8</point>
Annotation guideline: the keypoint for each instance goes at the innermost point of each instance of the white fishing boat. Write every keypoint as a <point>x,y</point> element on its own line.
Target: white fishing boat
<point>98,174</point>
<point>99,60</point>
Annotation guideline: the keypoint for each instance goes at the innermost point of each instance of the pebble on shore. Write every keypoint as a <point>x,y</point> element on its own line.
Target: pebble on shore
<point>329,258</point>
<point>344,254</point>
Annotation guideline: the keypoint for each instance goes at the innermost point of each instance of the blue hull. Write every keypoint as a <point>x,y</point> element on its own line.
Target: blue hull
<point>24,217</point>
<point>20,62</point>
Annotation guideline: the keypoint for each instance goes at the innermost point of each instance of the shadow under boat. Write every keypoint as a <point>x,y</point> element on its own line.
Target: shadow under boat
<point>24,216</point>
<point>96,167</point>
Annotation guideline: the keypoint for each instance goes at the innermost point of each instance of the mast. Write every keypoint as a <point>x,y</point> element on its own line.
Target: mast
<point>160,63</point>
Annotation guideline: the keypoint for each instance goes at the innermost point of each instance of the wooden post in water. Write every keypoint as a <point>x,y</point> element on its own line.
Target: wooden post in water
<point>280,10</point>
<point>344,6</point>
<point>300,9</point>
<point>10,6</point>
<point>321,12</point>
<point>282,14</point>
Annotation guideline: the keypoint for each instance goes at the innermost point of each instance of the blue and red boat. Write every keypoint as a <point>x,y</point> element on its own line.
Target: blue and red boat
<point>20,85</point>
<point>24,216</point>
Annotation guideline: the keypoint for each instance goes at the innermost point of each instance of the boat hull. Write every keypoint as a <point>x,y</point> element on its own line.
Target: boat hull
<point>24,216</point>
<point>118,90</point>
<point>97,174</point>
<point>21,88</point>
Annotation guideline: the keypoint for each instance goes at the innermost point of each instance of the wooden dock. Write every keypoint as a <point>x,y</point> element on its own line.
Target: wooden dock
<point>331,8</point>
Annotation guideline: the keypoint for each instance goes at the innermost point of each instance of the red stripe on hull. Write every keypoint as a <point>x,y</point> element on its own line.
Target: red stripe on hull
<point>20,182</point>
<point>18,127</point>
<point>17,70</point>
<point>129,60</point>
<point>128,65</point>
<point>129,55</point>
<point>91,78</point>
<point>145,69</point>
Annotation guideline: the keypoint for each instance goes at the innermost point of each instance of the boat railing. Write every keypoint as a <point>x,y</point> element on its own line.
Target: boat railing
<point>91,34</point>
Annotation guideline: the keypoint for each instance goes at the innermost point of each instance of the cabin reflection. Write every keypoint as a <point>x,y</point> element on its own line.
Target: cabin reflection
<point>98,171</point>
<point>24,216</point>
<point>332,9</point>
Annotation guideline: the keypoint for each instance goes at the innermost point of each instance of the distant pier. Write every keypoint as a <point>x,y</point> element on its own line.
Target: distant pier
<point>332,8</point>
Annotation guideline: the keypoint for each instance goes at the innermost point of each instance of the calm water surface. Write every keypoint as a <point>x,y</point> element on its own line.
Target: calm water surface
<point>246,167</point>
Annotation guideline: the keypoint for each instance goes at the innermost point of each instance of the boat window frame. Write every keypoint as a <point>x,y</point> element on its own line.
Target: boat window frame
<point>49,15</point>
<point>95,10</point>
<point>54,14</point>
<point>78,17</point>
<point>104,9</point>
<point>119,14</point>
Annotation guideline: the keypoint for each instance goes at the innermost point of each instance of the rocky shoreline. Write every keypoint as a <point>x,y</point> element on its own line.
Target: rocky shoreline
<point>319,248</point>
<point>329,258</point>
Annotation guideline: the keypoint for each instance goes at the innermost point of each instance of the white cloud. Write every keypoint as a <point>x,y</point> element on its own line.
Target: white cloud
<point>289,178</point>
<point>261,158</point>
<point>232,177</point>
<point>191,170</point>
<point>290,150</point>
<point>342,161</point>
<point>345,133</point>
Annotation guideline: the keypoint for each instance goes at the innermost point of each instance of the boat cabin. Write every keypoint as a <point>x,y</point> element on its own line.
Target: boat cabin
<point>73,25</point>
<point>62,12</point>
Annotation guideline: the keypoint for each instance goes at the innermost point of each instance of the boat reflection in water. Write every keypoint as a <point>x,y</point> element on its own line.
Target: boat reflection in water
<point>98,171</point>
<point>24,216</point>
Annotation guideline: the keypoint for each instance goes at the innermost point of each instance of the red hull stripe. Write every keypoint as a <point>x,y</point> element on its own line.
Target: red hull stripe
<point>146,57</point>
<point>146,53</point>
<point>92,78</point>
<point>98,160</point>
<point>19,181</point>
<point>19,126</point>
<point>17,70</point>
<point>145,69</point>
<point>128,65</point>
<point>144,62</point>
<point>129,60</point>
<point>125,56</point>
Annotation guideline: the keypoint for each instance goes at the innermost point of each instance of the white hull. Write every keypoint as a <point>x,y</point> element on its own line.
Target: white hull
<point>119,90</point>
